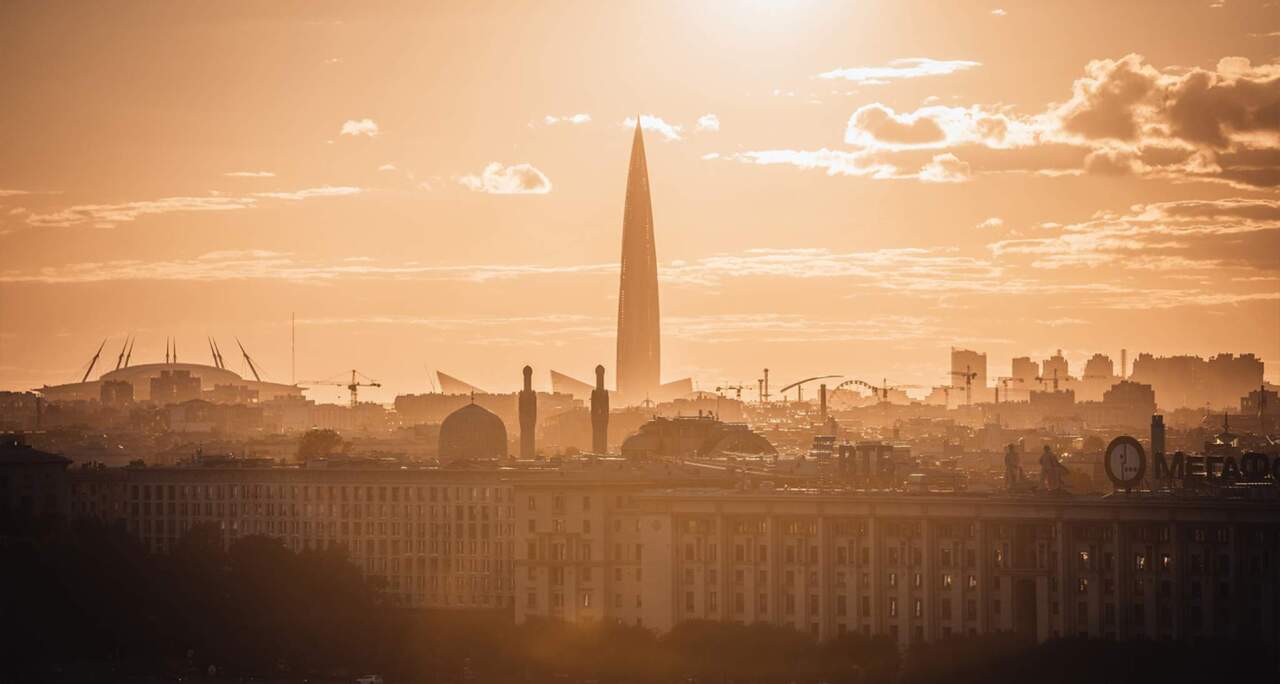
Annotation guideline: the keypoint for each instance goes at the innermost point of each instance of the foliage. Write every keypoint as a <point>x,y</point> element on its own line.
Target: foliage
<point>318,443</point>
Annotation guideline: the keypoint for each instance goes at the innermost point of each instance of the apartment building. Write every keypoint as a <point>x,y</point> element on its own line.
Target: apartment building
<point>658,544</point>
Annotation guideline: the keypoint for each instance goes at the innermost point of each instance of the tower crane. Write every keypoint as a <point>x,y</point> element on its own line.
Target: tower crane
<point>1004,382</point>
<point>968,376</point>
<point>353,386</point>
<point>736,388</point>
<point>1043,380</point>
<point>799,385</point>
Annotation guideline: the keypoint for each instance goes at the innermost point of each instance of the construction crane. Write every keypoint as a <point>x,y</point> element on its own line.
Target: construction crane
<point>1042,380</point>
<point>94,361</point>
<point>968,376</point>
<point>1004,382</point>
<point>799,385</point>
<point>736,388</point>
<point>353,386</point>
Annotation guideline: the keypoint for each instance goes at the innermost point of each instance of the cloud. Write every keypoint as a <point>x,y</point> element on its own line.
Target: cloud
<point>945,168</point>
<point>308,193</point>
<point>1240,233</point>
<point>649,122</point>
<point>709,122</point>
<point>269,265</point>
<point>998,12</point>
<point>250,174</point>
<point>110,215</point>
<point>516,179</point>
<point>878,123</point>
<point>915,67</point>
<point>13,193</point>
<point>1124,117</point>
<point>387,167</point>
<point>353,127</point>
<point>992,223</point>
<point>939,126</point>
<point>572,119</point>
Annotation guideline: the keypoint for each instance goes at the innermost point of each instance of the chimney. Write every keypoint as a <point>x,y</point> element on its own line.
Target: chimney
<point>1124,364</point>
<point>822,401</point>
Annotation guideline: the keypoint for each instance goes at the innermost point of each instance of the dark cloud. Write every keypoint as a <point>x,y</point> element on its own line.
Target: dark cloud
<point>1106,100</point>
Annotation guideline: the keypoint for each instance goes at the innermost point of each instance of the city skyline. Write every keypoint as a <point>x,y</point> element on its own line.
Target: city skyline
<point>952,178</point>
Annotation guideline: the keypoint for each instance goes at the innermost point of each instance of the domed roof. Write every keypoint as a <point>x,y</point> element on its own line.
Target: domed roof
<point>472,432</point>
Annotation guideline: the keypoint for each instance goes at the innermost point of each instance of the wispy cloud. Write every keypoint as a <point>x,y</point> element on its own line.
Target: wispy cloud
<point>571,119</point>
<point>109,215</point>
<point>359,127</point>
<point>709,122</point>
<point>308,193</point>
<point>250,174</point>
<point>913,67</point>
<point>514,179</point>
<point>649,122</point>
<point>998,12</point>
<point>992,223</point>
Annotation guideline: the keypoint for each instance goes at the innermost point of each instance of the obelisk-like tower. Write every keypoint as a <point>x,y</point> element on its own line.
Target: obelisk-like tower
<point>600,415</point>
<point>528,405</point>
<point>638,326</point>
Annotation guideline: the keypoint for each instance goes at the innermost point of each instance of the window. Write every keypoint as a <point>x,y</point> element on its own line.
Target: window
<point>1082,585</point>
<point>893,579</point>
<point>917,608</point>
<point>946,581</point>
<point>688,601</point>
<point>1139,561</point>
<point>893,607</point>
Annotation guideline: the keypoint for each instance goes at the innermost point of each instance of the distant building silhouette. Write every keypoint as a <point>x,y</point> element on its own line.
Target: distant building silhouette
<point>528,407</point>
<point>600,415</point>
<point>472,433</point>
<point>639,362</point>
<point>1193,382</point>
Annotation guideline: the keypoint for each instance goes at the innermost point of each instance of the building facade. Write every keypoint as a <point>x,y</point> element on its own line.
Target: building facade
<point>659,544</point>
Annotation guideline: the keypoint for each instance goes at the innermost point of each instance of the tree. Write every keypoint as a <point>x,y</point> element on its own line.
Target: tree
<point>317,443</point>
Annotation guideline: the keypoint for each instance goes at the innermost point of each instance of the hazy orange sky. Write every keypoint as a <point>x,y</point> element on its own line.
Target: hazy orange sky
<point>843,187</point>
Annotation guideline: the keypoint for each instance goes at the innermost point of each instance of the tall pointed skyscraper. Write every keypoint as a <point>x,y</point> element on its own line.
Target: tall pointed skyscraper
<point>638,324</point>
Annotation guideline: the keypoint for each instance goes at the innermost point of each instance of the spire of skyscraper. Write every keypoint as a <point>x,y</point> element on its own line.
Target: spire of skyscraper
<point>638,323</point>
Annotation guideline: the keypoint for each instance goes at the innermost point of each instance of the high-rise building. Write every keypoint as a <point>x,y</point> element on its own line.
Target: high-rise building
<point>1055,369</point>
<point>966,362</point>
<point>638,324</point>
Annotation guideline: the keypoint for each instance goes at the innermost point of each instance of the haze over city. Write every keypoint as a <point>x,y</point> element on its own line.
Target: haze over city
<point>845,188</point>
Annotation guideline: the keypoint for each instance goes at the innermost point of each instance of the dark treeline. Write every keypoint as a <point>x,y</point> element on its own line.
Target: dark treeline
<point>85,602</point>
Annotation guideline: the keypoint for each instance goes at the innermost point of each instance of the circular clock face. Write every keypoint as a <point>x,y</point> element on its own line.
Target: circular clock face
<point>1125,461</point>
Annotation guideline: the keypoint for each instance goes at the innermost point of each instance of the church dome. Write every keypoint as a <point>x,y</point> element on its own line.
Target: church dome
<point>472,433</point>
